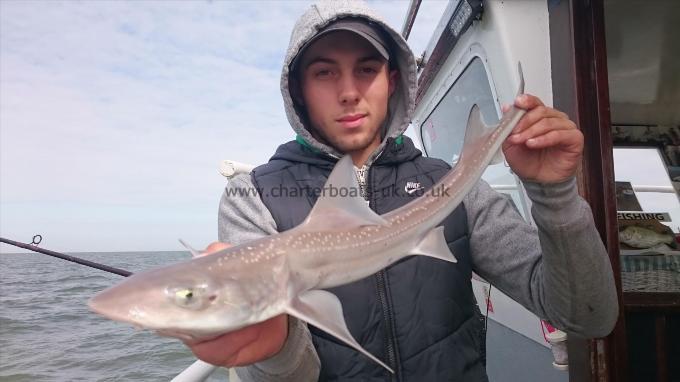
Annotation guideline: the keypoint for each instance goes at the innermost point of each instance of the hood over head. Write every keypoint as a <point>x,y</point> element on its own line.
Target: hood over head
<point>314,23</point>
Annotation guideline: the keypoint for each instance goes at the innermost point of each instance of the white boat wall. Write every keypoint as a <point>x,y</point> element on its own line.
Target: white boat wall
<point>481,68</point>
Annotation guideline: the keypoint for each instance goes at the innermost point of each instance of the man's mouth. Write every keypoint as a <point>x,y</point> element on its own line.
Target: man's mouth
<point>351,121</point>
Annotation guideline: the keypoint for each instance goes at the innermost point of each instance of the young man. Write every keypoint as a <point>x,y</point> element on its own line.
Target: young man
<point>348,85</point>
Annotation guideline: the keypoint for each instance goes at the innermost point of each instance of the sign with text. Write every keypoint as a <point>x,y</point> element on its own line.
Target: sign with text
<point>641,215</point>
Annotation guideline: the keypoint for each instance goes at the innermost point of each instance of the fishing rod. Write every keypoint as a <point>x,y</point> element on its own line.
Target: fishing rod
<point>198,371</point>
<point>34,247</point>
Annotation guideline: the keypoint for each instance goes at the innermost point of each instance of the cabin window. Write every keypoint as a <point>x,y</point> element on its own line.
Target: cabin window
<point>648,213</point>
<point>643,171</point>
<point>443,131</point>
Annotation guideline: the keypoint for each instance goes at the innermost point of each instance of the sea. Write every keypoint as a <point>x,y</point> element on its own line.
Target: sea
<point>47,332</point>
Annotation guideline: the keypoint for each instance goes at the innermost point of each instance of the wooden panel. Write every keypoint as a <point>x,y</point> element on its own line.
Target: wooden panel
<point>651,302</point>
<point>580,89</point>
<point>661,348</point>
<point>594,119</point>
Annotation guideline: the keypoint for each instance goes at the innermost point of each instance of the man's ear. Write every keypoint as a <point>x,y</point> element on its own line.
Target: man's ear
<point>393,78</point>
<point>295,91</point>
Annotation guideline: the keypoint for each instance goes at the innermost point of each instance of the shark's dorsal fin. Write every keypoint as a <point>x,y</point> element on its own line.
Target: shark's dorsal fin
<point>323,310</point>
<point>340,205</point>
<point>476,127</point>
<point>475,124</point>
<point>194,252</point>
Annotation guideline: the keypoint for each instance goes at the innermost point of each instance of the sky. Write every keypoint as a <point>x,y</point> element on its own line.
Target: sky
<point>115,116</point>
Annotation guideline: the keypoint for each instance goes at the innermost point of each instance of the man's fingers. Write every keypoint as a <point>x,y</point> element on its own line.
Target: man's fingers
<point>244,346</point>
<point>536,114</point>
<point>224,349</point>
<point>541,127</point>
<point>215,247</point>
<point>523,101</point>
<point>527,101</point>
<point>572,140</point>
<point>269,342</point>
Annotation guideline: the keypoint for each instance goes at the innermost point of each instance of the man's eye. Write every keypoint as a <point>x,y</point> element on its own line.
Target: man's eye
<point>367,70</point>
<point>323,73</point>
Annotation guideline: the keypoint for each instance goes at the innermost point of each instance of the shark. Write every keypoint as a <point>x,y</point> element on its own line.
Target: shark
<point>341,241</point>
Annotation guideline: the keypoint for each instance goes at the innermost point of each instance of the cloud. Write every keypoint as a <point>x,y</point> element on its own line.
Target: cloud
<point>114,115</point>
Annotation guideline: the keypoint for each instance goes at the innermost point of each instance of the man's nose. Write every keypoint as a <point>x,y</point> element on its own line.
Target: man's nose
<point>348,91</point>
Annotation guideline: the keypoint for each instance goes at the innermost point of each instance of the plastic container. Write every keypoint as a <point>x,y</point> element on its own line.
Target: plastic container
<point>558,345</point>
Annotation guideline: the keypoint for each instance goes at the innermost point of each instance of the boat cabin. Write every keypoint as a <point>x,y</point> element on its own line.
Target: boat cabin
<point>613,67</point>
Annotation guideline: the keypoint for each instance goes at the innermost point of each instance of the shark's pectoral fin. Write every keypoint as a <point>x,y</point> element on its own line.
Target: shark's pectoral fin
<point>434,245</point>
<point>341,206</point>
<point>323,310</point>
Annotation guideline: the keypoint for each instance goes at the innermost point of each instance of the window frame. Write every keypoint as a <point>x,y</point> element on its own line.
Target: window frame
<point>475,51</point>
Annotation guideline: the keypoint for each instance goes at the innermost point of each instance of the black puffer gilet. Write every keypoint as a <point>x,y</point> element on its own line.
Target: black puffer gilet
<point>418,315</point>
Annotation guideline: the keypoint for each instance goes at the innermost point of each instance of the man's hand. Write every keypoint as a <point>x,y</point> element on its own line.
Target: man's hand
<point>245,346</point>
<point>545,146</point>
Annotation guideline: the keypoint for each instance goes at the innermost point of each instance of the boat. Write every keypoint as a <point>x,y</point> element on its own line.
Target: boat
<point>612,67</point>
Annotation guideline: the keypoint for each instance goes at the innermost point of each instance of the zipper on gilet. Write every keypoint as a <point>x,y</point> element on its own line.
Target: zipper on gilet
<point>363,177</point>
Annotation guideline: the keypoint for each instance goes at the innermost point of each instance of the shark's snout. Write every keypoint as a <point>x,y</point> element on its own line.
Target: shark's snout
<point>110,305</point>
<point>132,301</point>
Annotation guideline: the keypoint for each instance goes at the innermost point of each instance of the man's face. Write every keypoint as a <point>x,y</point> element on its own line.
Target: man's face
<point>345,86</point>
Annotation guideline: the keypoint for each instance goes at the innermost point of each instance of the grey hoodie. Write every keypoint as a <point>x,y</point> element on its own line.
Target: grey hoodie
<point>401,104</point>
<point>559,271</point>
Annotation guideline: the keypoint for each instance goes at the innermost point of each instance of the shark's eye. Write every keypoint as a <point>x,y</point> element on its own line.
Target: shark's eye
<point>194,298</point>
